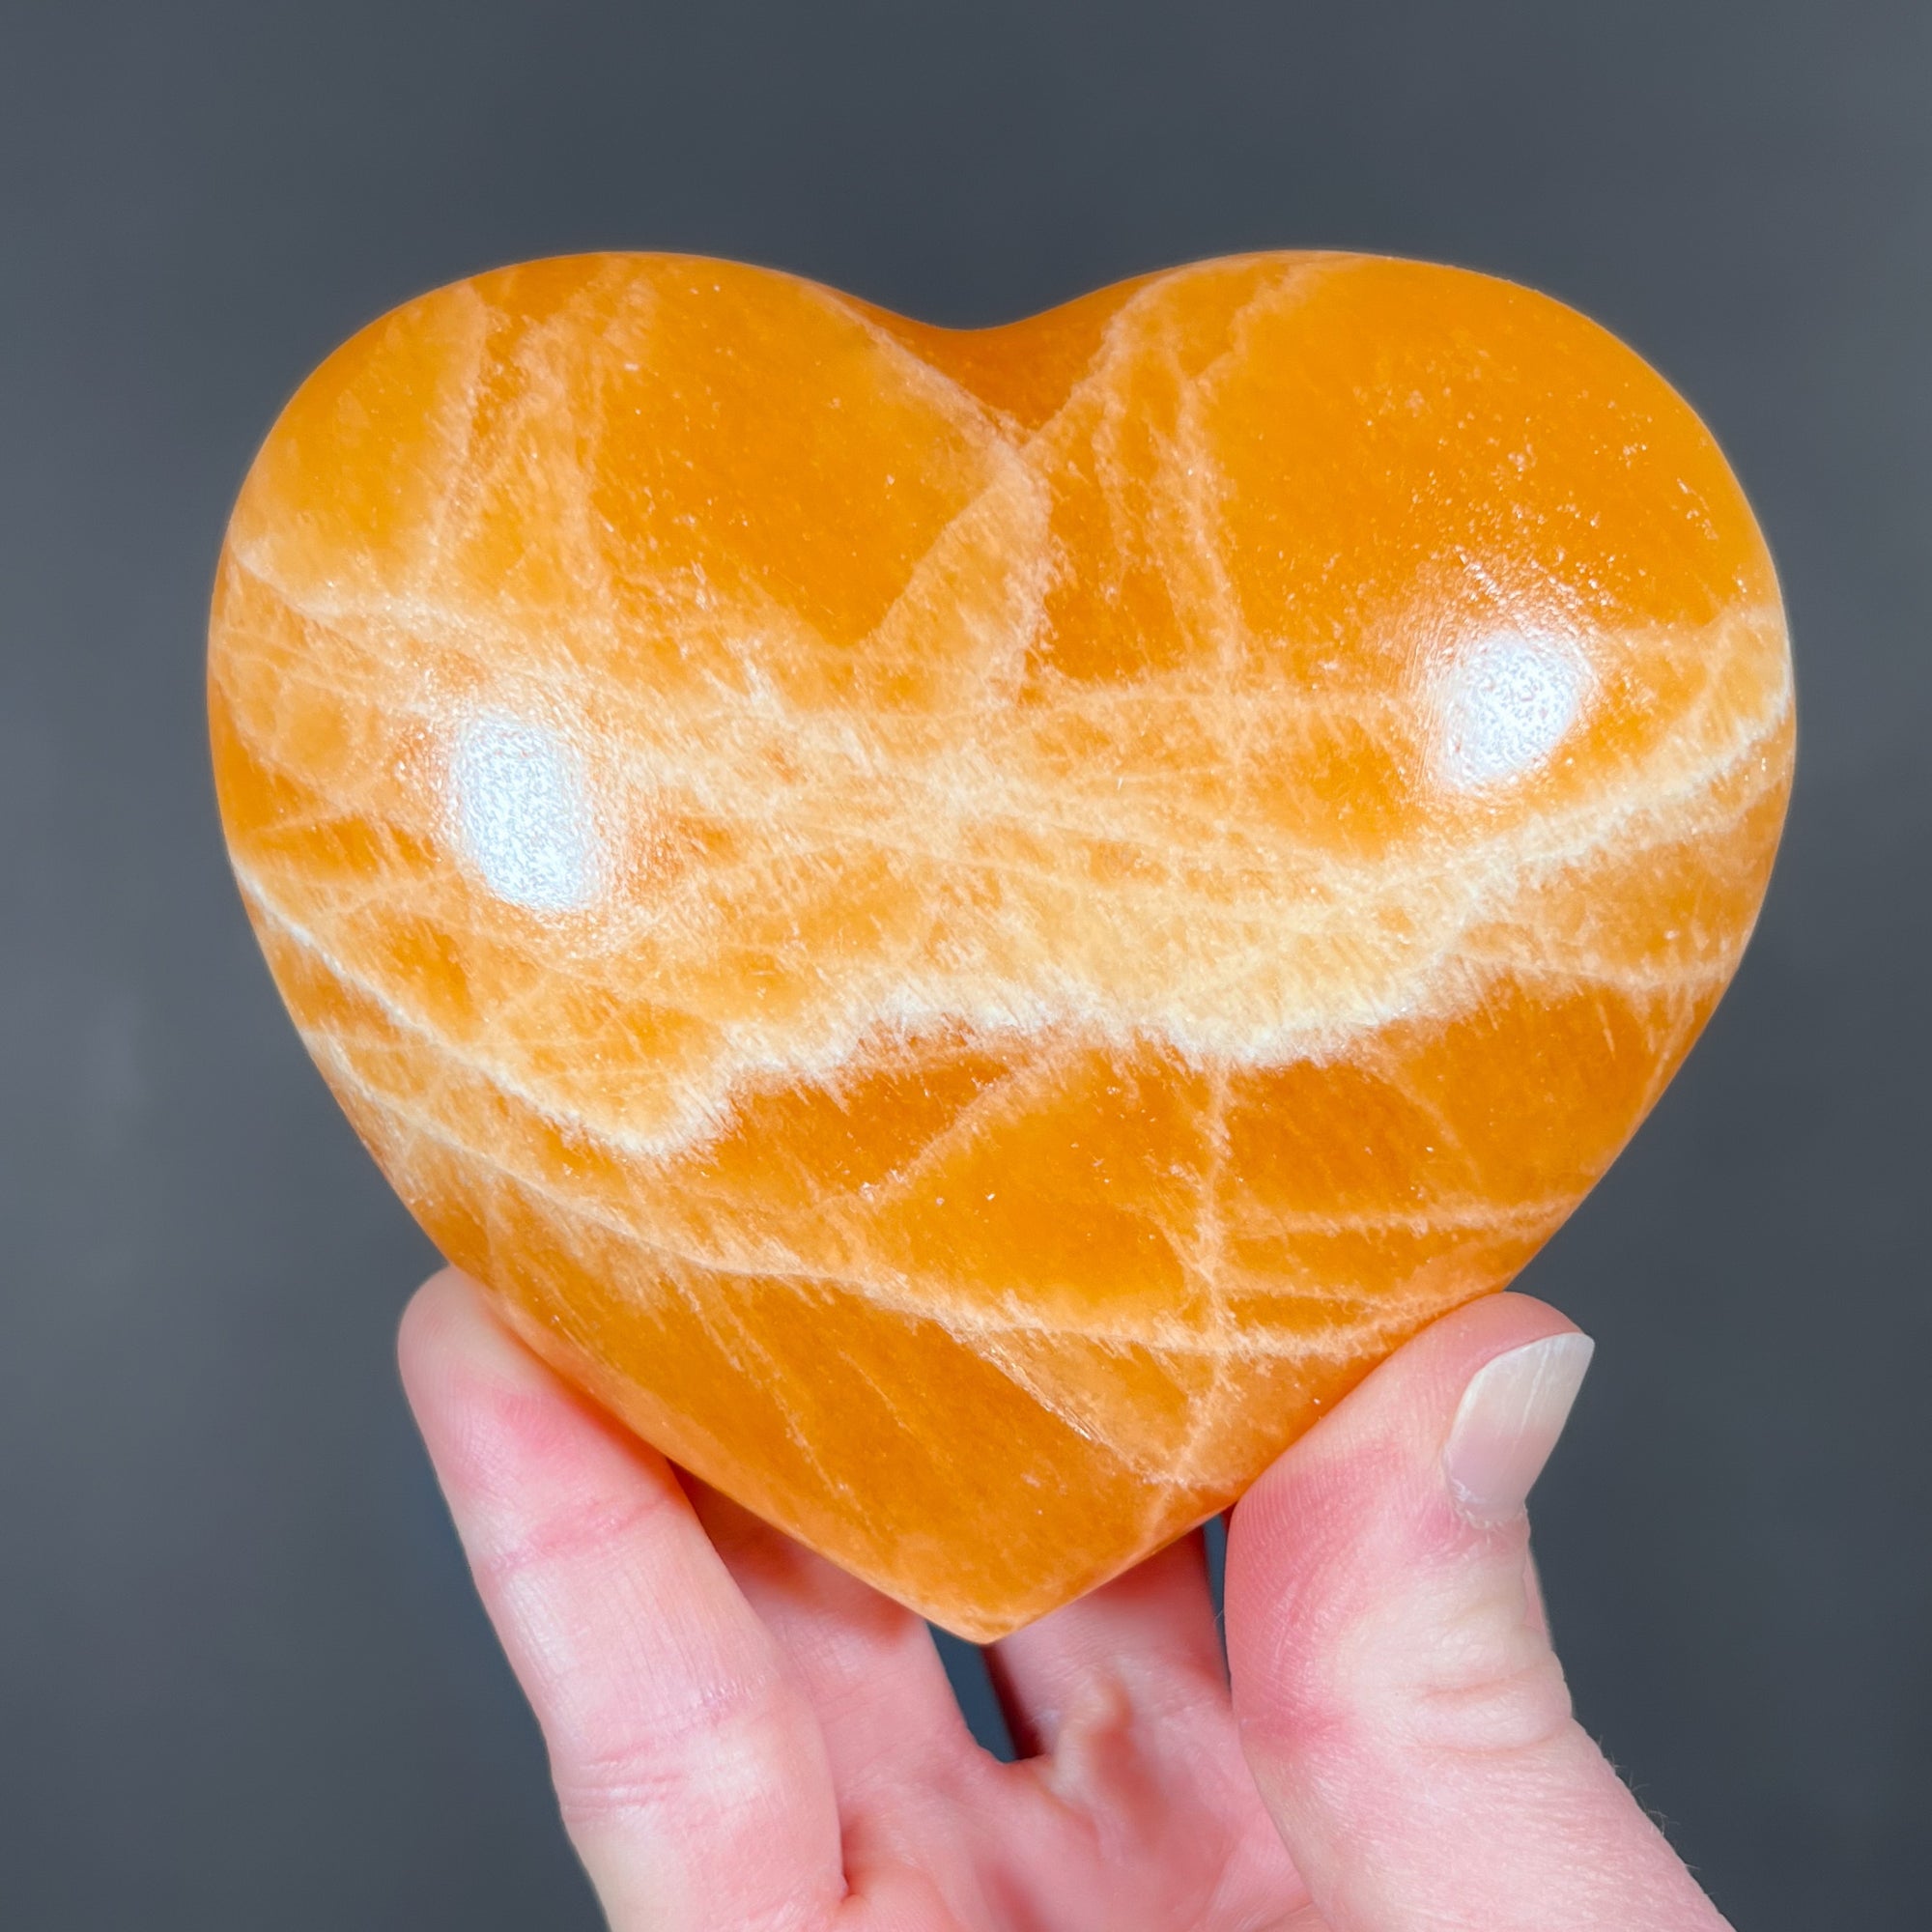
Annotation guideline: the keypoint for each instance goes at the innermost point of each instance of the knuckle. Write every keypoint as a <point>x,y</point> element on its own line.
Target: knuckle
<point>591,1532</point>
<point>1485,1681</point>
<point>1449,1663</point>
<point>701,1819</point>
<point>1513,1708</point>
<point>593,1794</point>
<point>638,1757</point>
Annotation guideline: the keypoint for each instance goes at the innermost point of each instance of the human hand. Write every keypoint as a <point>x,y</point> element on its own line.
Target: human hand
<point>745,1738</point>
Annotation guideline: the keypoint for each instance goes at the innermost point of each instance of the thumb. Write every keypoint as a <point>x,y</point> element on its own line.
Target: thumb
<point>1402,1711</point>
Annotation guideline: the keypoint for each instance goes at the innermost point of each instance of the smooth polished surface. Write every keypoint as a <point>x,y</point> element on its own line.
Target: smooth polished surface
<point>968,926</point>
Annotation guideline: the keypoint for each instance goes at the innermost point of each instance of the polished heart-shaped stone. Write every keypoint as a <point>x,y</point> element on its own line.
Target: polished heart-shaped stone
<point>966,928</point>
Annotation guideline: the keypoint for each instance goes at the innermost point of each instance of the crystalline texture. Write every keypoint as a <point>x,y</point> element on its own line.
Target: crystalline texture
<point>968,927</point>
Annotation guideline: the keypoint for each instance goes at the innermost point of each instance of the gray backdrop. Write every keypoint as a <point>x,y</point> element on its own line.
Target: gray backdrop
<point>242,1683</point>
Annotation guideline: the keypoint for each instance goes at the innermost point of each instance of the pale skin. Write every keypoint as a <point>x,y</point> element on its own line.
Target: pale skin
<point>744,1738</point>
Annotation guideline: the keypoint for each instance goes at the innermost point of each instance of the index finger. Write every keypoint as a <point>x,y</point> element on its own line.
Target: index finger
<point>691,1771</point>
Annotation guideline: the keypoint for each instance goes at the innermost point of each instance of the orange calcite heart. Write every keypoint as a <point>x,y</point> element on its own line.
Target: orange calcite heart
<point>967,928</point>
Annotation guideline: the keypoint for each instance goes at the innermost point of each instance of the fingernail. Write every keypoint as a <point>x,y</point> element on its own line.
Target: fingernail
<point>1508,1422</point>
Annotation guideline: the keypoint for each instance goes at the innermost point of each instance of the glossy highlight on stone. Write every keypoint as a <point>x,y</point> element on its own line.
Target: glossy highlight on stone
<point>967,928</point>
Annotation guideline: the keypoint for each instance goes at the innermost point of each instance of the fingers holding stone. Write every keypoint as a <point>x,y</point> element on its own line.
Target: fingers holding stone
<point>1123,1697</point>
<point>1142,1647</point>
<point>867,1665</point>
<point>688,1761</point>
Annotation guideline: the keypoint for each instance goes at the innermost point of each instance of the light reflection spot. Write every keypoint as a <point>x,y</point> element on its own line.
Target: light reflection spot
<point>1503,703</point>
<point>519,809</point>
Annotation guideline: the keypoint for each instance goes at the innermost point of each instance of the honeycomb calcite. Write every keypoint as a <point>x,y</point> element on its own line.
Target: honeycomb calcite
<point>966,928</point>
